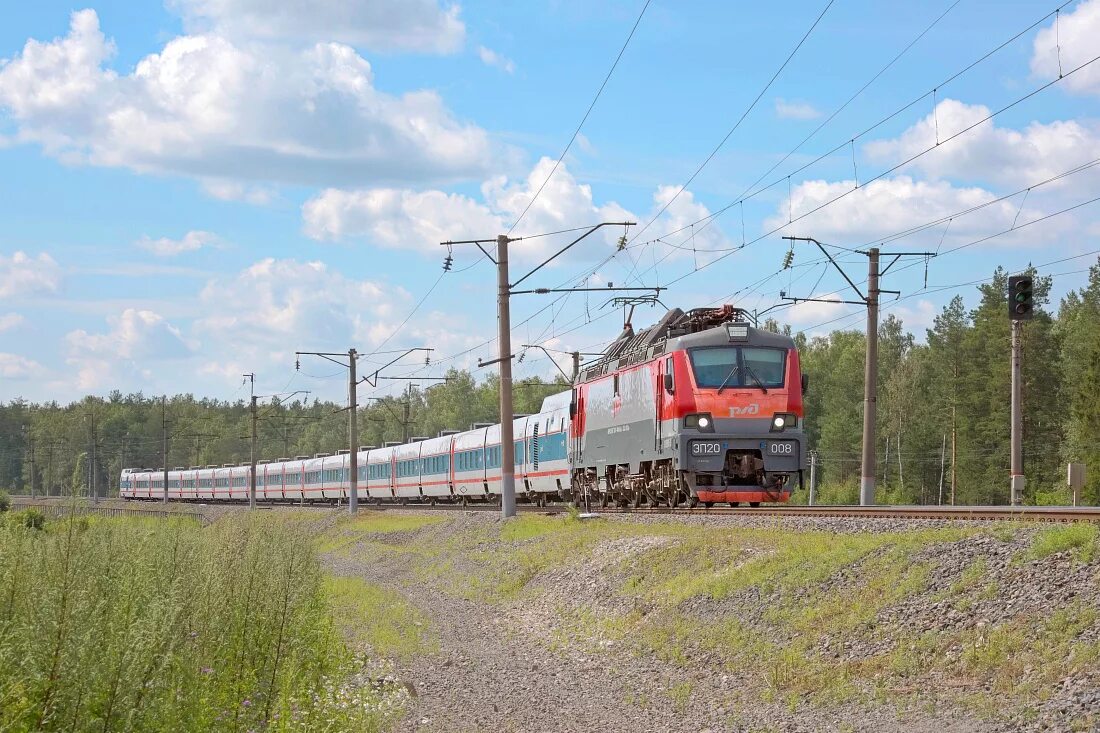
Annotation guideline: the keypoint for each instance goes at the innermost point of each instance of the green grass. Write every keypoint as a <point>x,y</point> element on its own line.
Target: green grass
<point>379,618</point>
<point>162,625</point>
<point>1080,538</point>
<point>346,534</point>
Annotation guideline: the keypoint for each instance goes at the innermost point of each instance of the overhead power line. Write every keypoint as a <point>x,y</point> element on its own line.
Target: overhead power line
<point>750,194</point>
<point>584,119</point>
<point>737,124</point>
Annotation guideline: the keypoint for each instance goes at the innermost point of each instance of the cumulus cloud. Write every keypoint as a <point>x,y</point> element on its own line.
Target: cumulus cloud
<point>489,57</point>
<point>165,247</point>
<point>791,110</point>
<point>387,25</point>
<point>22,274</point>
<point>1076,34</point>
<point>404,219</point>
<point>277,306</point>
<point>13,366</point>
<point>228,110</point>
<point>891,205</point>
<point>988,153</point>
<point>9,321</point>
<point>133,338</point>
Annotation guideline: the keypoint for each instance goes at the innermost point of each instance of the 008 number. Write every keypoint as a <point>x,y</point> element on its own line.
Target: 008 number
<point>781,449</point>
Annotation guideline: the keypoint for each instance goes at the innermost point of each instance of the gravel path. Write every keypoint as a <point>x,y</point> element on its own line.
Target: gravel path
<point>519,666</point>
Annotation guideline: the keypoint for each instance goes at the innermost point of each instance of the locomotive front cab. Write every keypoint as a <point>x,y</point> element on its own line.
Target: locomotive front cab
<point>741,437</point>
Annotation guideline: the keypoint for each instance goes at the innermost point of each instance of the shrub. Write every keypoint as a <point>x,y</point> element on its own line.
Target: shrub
<point>5,501</point>
<point>161,625</point>
<point>31,518</point>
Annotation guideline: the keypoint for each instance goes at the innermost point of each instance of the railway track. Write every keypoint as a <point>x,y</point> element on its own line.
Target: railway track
<point>941,513</point>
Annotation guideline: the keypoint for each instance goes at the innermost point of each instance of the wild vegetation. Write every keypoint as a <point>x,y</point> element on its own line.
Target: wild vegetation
<point>162,625</point>
<point>943,411</point>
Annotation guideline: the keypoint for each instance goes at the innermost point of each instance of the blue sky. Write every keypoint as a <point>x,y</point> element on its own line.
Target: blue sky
<point>199,188</point>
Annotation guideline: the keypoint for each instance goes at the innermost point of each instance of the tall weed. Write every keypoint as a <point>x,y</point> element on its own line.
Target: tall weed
<point>161,625</point>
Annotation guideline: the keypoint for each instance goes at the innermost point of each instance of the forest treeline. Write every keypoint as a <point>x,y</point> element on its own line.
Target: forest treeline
<point>943,411</point>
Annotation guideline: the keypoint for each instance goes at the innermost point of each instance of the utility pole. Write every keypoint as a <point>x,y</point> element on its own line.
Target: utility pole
<point>870,385</point>
<point>29,450</point>
<point>92,478</point>
<point>252,456</point>
<point>353,434</point>
<point>353,406</point>
<point>1021,307</point>
<point>164,442</point>
<point>813,477</point>
<point>870,369</point>
<point>406,422</point>
<point>1016,470</point>
<point>504,341</point>
<point>122,460</point>
<point>943,454</point>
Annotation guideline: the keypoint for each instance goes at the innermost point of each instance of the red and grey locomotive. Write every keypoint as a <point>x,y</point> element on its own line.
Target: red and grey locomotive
<point>702,407</point>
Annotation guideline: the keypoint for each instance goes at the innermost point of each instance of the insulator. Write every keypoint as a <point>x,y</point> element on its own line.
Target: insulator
<point>447,262</point>
<point>788,259</point>
<point>428,360</point>
<point>521,355</point>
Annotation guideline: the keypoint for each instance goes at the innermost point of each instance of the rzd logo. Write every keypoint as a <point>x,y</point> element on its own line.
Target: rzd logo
<point>744,411</point>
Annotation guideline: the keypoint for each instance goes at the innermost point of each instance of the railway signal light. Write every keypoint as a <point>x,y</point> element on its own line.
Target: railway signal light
<point>1021,298</point>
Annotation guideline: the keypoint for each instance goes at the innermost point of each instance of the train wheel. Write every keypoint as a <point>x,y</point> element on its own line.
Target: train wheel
<point>708,504</point>
<point>693,502</point>
<point>754,503</point>
<point>674,499</point>
<point>735,503</point>
<point>636,500</point>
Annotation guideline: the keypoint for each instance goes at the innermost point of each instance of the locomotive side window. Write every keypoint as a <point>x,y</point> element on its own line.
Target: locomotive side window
<point>616,383</point>
<point>670,376</point>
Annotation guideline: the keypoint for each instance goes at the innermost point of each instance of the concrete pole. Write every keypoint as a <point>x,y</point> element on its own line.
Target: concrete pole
<point>1016,473</point>
<point>504,325</point>
<point>353,435</point>
<point>813,477</point>
<point>870,384</point>
<point>164,441</point>
<point>252,457</point>
<point>943,456</point>
<point>92,481</point>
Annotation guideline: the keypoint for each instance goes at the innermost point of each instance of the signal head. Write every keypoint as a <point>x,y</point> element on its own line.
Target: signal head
<point>1021,297</point>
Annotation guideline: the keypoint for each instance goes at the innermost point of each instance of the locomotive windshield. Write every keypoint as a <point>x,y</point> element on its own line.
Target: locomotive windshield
<point>738,366</point>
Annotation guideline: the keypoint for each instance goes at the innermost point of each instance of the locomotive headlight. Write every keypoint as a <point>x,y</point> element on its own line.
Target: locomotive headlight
<point>701,421</point>
<point>782,420</point>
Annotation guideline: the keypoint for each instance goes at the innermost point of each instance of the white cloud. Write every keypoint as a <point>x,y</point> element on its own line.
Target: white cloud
<point>1016,158</point>
<point>395,218</point>
<point>388,25</point>
<point>13,366</point>
<point>9,321</point>
<point>404,219</point>
<point>792,110</point>
<point>134,337</point>
<point>489,57</point>
<point>224,110</point>
<point>22,274</point>
<point>1076,34</point>
<point>165,247</point>
<point>276,307</point>
<point>892,205</point>
<point>225,190</point>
